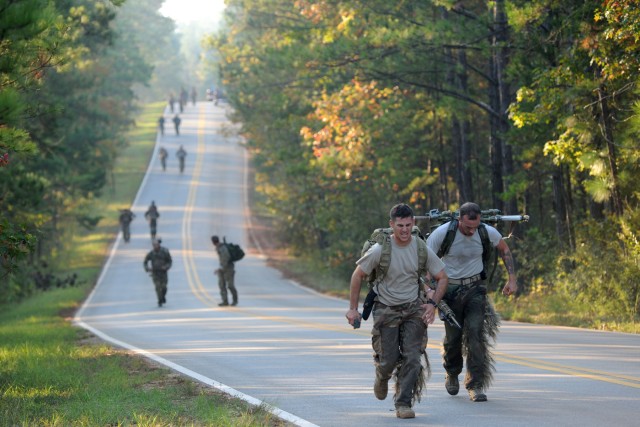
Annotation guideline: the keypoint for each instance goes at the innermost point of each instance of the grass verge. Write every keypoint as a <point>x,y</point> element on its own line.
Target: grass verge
<point>54,374</point>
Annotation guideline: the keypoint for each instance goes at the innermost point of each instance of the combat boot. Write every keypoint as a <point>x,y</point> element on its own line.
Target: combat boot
<point>476,395</point>
<point>381,388</point>
<point>405,412</point>
<point>451,384</point>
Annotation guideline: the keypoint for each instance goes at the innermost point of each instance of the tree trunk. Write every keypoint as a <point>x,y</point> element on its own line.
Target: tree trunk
<point>560,207</point>
<point>606,127</point>
<point>501,50</point>
<point>496,66</point>
<point>464,172</point>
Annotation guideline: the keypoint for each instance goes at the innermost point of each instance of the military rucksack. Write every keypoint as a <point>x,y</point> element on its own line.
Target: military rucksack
<point>487,248</point>
<point>235,251</point>
<point>382,236</point>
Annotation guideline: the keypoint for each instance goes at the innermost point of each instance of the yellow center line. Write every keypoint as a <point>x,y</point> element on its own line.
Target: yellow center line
<point>620,379</point>
<point>191,271</point>
<point>201,293</point>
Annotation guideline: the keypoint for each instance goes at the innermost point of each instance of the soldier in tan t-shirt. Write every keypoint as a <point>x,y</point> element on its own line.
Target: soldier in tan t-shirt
<point>400,314</point>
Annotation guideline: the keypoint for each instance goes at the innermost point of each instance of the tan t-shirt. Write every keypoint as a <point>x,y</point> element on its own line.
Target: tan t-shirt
<point>464,258</point>
<point>400,284</point>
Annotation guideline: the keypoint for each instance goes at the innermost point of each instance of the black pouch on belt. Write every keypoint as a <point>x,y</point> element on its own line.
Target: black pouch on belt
<point>368,304</point>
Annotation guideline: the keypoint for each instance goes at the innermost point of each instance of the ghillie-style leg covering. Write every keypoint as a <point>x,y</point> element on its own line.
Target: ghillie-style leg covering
<point>490,327</point>
<point>423,376</point>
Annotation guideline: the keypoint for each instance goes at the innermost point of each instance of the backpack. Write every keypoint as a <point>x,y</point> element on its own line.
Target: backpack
<point>487,247</point>
<point>235,251</point>
<point>382,236</point>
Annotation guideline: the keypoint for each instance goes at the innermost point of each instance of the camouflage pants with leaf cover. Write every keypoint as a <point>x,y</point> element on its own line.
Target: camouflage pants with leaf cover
<point>468,303</point>
<point>399,337</point>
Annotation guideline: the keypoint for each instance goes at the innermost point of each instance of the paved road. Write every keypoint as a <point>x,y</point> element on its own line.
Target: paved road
<point>290,348</point>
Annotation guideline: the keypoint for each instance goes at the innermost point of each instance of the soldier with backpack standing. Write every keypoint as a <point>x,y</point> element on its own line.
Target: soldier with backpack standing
<point>402,310</point>
<point>225,273</point>
<point>463,244</point>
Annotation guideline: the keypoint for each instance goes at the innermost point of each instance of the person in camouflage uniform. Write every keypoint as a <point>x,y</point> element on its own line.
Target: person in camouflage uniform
<point>402,310</point>
<point>181,154</point>
<point>160,260</point>
<point>225,273</point>
<point>467,297</point>
<point>152,216</point>
<point>163,154</point>
<point>126,216</point>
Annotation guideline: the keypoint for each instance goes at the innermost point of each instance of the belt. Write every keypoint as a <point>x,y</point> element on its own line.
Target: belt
<point>466,281</point>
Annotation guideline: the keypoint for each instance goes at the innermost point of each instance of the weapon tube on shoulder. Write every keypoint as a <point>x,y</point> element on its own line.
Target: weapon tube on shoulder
<point>491,216</point>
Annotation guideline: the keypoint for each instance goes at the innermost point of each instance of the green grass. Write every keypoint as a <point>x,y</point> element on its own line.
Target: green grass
<point>555,309</point>
<point>55,374</point>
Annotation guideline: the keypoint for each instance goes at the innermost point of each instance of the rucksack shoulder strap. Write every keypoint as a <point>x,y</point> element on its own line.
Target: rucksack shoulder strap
<point>448,238</point>
<point>486,242</point>
<point>384,240</point>
<point>423,256</point>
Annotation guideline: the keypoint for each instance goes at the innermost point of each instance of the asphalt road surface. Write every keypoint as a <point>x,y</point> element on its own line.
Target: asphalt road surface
<point>291,349</point>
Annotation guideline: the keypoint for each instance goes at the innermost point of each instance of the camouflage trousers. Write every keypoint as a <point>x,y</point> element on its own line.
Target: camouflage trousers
<point>160,280</point>
<point>399,340</point>
<point>226,283</point>
<point>469,305</point>
<point>126,232</point>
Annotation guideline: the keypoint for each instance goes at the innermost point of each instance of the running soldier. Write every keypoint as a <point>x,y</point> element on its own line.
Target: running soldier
<point>163,158</point>
<point>467,297</point>
<point>402,309</point>
<point>152,216</point>
<point>126,216</point>
<point>160,260</point>
<point>181,154</point>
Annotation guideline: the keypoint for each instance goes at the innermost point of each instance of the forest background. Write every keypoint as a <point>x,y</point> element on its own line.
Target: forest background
<point>349,107</point>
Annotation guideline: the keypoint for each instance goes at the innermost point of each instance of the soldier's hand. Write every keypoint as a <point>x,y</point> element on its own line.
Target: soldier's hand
<point>429,313</point>
<point>510,288</point>
<point>352,315</point>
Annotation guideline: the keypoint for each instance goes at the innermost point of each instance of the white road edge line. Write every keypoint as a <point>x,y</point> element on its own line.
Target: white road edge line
<point>77,320</point>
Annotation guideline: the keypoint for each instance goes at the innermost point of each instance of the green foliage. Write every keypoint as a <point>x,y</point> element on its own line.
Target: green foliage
<point>15,244</point>
<point>352,106</point>
<point>53,374</point>
<point>602,272</point>
<point>68,72</point>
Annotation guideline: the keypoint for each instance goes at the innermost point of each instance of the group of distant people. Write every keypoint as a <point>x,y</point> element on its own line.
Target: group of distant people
<point>213,95</point>
<point>127,216</point>
<point>182,102</point>
<point>181,154</point>
<point>158,260</point>
<point>182,99</point>
<point>176,124</point>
